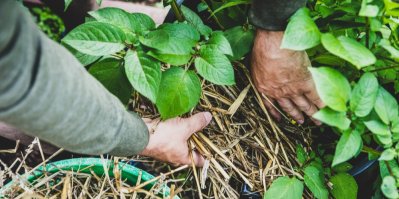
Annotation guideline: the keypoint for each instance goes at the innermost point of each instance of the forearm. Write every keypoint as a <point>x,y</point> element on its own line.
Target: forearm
<point>273,14</point>
<point>47,93</point>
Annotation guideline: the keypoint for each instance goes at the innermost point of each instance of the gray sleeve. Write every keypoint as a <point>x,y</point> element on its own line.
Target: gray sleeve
<point>273,14</point>
<point>47,93</point>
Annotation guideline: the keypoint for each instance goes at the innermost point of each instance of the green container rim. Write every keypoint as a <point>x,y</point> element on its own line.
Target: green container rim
<point>96,165</point>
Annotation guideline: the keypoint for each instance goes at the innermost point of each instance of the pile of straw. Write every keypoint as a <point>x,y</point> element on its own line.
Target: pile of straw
<point>243,145</point>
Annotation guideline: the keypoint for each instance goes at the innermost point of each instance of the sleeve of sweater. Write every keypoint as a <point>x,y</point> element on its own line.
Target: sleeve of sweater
<point>47,93</point>
<point>273,14</point>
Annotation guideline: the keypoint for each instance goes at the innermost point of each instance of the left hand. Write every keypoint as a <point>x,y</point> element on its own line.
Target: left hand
<point>283,76</point>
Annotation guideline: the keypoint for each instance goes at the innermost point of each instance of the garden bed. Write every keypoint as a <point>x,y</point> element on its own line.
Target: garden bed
<point>243,146</point>
<point>354,49</point>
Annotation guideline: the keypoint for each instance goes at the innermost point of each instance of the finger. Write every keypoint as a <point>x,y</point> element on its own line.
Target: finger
<point>197,122</point>
<point>314,98</point>
<point>271,108</point>
<point>291,109</point>
<point>304,105</point>
<point>307,107</point>
<point>198,159</point>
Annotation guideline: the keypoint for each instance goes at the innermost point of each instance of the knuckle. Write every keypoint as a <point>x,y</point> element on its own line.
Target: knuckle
<point>295,114</point>
<point>306,108</point>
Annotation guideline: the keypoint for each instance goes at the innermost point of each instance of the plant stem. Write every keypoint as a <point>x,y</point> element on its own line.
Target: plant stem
<point>370,150</point>
<point>367,32</point>
<point>383,68</point>
<point>177,11</point>
<point>213,16</point>
<point>389,168</point>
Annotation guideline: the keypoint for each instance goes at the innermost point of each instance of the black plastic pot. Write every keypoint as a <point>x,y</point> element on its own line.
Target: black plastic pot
<point>366,173</point>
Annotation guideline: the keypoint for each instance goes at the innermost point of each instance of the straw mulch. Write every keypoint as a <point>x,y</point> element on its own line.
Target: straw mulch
<point>243,145</point>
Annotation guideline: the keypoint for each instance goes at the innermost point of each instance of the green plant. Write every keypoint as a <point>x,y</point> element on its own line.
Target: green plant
<point>48,22</point>
<point>68,3</point>
<point>162,63</point>
<point>354,45</point>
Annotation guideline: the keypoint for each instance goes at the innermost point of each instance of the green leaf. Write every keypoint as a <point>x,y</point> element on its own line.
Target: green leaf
<point>388,47</point>
<point>179,92</point>
<point>157,39</point>
<point>110,73</point>
<point>181,33</point>
<point>333,118</point>
<point>388,167</point>
<point>364,95</point>
<point>202,7</point>
<point>387,154</point>
<point>348,49</point>
<point>395,125</point>
<point>144,73</point>
<point>302,32</point>
<point>240,40</point>
<point>194,20</point>
<point>348,146</point>
<point>377,127</point>
<point>301,155</point>
<point>96,38</point>
<point>67,4</point>
<point>173,43</point>
<point>214,67</point>
<point>388,187</point>
<point>368,9</point>
<point>172,38</point>
<point>174,59</point>
<point>135,22</point>
<point>329,59</point>
<point>344,186</point>
<point>332,86</point>
<point>285,187</point>
<point>343,167</point>
<point>230,4</point>
<point>220,42</point>
<point>314,180</point>
<point>386,106</point>
<point>83,58</point>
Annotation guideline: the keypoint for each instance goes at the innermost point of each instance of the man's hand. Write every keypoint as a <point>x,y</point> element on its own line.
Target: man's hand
<point>283,76</point>
<point>168,139</point>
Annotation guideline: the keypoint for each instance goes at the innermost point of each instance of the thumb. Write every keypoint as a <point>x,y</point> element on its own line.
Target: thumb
<point>198,159</point>
<point>197,122</point>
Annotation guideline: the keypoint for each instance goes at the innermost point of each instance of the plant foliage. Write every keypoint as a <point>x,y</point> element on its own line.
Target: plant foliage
<point>161,63</point>
<point>353,46</point>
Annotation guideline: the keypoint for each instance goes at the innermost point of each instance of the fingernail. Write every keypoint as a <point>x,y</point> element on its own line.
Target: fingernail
<point>301,121</point>
<point>208,117</point>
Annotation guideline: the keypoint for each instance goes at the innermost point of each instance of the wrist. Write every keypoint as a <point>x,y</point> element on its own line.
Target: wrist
<point>270,43</point>
<point>147,151</point>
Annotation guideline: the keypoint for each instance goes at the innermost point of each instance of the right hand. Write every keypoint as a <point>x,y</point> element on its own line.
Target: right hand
<point>282,75</point>
<point>168,139</point>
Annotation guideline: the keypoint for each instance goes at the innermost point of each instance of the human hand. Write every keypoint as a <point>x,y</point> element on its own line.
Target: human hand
<point>168,139</point>
<point>283,76</point>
